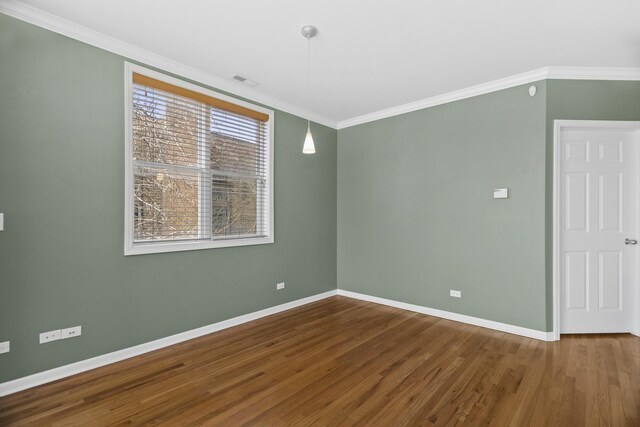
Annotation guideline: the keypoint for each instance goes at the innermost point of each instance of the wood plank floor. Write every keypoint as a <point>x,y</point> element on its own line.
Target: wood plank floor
<point>341,361</point>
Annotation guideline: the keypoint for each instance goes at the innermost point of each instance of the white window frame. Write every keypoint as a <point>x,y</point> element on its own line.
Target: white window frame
<point>133,248</point>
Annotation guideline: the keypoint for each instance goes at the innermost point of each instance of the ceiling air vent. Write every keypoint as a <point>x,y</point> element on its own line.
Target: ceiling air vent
<point>244,80</point>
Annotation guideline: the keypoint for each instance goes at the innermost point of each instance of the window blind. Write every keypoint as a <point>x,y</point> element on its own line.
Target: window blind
<point>200,166</point>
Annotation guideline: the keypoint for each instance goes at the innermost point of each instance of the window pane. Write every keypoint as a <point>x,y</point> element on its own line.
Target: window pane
<point>165,204</point>
<point>165,127</point>
<point>201,167</point>
<point>234,207</point>
<point>234,126</point>
<point>237,156</point>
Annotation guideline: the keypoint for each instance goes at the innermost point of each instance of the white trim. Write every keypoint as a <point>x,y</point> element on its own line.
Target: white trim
<point>555,239</point>
<point>596,124</point>
<point>490,324</point>
<point>457,95</point>
<point>560,73</point>
<point>164,247</point>
<point>593,73</point>
<point>67,28</point>
<point>58,25</point>
<point>130,248</point>
<point>24,383</point>
<point>558,125</point>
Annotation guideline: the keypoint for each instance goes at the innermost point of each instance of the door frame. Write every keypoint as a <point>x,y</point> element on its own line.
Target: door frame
<point>558,126</point>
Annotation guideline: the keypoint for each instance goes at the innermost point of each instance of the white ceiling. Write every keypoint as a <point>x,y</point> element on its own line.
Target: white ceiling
<point>369,55</point>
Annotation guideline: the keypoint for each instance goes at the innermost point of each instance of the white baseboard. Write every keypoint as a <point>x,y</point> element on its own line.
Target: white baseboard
<point>490,324</point>
<point>40,378</point>
<point>24,383</point>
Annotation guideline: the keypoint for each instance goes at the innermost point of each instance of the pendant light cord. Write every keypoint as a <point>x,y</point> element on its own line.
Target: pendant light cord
<point>308,79</point>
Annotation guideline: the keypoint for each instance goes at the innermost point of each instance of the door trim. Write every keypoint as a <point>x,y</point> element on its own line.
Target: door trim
<point>559,125</point>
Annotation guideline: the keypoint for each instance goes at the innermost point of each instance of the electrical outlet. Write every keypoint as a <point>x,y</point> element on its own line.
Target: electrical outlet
<point>76,331</point>
<point>5,347</point>
<point>280,286</point>
<point>455,294</point>
<point>46,337</point>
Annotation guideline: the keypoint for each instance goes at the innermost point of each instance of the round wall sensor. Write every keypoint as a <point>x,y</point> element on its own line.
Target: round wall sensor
<point>532,90</point>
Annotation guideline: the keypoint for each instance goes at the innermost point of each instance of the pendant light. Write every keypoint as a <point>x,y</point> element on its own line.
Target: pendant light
<point>309,31</point>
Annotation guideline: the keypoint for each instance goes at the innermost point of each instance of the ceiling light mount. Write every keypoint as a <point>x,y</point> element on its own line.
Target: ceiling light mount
<point>309,31</point>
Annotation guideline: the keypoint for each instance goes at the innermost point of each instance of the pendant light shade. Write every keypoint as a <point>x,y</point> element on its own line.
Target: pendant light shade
<point>308,147</point>
<point>308,31</point>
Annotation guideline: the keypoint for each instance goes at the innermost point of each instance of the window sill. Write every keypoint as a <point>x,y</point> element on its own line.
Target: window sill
<point>155,248</point>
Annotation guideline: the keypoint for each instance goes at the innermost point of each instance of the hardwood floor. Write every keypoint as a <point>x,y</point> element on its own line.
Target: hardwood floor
<point>346,362</point>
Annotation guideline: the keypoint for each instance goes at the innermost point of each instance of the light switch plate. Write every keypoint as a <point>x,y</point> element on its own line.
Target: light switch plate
<point>500,193</point>
<point>1,221</point>
<point>5,347</point>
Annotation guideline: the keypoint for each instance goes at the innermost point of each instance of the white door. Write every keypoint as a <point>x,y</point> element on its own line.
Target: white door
<point>599,226</point>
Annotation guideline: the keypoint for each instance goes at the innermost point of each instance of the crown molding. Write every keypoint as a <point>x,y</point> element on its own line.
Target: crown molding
<point>58,25</point>
<point>593,73</point>
<point>100,40</point>
<point>553,73</point>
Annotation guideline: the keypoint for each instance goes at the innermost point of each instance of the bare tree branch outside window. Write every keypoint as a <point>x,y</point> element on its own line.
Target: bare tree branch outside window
<point>196,175</point>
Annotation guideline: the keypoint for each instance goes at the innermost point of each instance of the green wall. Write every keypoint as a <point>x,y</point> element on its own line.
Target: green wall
<point>582,100</point>
<point>62,192</point>
<point>412,218</point>
<point>416,215</point>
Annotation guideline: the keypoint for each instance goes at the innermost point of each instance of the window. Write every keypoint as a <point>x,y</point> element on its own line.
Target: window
<point>198,167</point>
